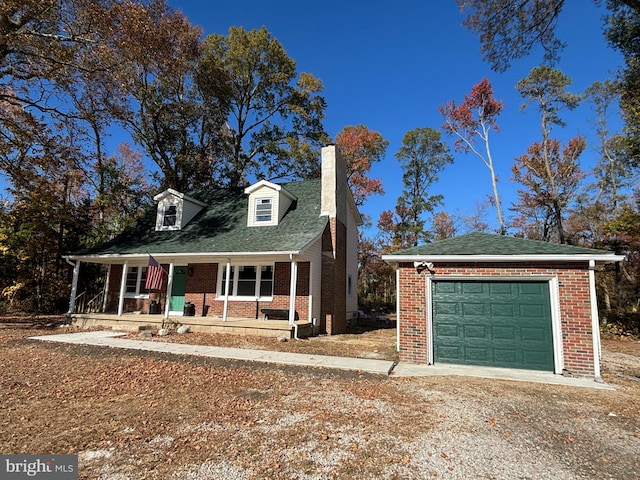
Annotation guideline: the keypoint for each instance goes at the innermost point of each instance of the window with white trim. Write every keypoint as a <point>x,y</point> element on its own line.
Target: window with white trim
<point>247,281</point>
<point>263,210</point>
<point>135,283</point>
<point>170,216</point>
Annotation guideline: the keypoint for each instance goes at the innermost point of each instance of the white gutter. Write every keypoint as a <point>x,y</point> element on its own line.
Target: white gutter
<point>503,258</point>
<point>202,255</point>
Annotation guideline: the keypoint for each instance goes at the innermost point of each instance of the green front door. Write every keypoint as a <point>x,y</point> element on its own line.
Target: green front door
<point>178,289</point>
<point>498,324</point>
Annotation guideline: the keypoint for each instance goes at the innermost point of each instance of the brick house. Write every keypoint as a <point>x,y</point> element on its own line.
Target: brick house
<point>497,301</point>
<point>263,252</point>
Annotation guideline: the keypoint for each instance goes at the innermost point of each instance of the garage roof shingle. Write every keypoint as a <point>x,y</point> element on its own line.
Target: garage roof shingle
<point>489,244</point>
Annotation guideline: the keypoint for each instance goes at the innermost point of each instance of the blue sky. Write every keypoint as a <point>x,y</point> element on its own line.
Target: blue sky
<point>390,64</point>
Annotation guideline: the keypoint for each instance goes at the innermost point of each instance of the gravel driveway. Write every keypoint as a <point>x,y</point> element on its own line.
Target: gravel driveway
<point>139,416</point>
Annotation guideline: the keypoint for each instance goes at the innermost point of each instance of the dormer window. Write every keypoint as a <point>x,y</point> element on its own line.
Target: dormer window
<point>263,210</point>
<point>170,216</point>
<point>268,204</point>
<point>175,210</point>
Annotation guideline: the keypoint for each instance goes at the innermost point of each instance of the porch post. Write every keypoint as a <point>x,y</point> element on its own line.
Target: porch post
<point>123,288</point>
<point>595,321</point>
<point>106,290</point>
<point>293,291</point>
<point>226,291</point>
<point>74,287</point>
<point>167,301</point>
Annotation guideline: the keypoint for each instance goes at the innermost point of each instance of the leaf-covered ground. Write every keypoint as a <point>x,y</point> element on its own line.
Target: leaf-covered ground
<point>135,415</point>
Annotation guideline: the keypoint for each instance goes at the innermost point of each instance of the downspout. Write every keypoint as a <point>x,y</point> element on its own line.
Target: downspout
<point>595,322</point>
<point>167,302</point>
<point>74,285</point>
<point>292,296</point>
<point>226,291</point>
<point>123,287</point>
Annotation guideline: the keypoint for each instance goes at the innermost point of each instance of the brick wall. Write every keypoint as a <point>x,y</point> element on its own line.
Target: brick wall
<point>574,304</point>
<point>130,304</point>
<point>333,305</point>
<point>202,283</point>
<point>113,290</point>
<point>201,286</point>
<point>201,291</point>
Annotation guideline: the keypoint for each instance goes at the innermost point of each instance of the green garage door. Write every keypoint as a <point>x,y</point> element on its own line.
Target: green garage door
<point>497,324</point>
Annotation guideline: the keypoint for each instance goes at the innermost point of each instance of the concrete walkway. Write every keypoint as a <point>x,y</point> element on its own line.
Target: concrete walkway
<point>109,338</point>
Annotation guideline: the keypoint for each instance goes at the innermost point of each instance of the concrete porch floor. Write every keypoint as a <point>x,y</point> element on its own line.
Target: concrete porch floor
<point>208,324</point>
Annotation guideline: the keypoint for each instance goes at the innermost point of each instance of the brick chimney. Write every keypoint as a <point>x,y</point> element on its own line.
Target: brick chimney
<point>333,319</point>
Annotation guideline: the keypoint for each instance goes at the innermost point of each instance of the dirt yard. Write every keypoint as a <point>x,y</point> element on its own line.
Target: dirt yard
<point>134,415</point>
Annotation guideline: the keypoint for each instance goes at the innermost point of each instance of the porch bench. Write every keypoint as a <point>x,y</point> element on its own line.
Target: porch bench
<point>276,314</point>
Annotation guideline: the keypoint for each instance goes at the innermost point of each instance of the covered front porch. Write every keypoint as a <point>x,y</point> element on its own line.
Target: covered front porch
<point>265,295</point>
<point>208,324</point>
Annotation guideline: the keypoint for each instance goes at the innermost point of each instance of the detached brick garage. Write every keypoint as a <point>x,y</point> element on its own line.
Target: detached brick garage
<point>491,300</point>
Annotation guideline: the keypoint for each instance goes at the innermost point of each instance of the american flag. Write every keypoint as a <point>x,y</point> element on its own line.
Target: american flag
<point>154,275</point>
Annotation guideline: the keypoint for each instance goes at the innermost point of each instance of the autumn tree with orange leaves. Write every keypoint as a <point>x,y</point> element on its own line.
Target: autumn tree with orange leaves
<point>471,122</point>
<point>361,148</point>
<point>553,169</point>
<point>551,175</point>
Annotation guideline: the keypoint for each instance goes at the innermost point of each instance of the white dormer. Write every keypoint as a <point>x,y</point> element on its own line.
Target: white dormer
<point>268,203</point>
<point>175,209</point>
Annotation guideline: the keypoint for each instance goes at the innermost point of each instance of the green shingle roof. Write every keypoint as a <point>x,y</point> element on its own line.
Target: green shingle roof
<point>489,244</point>
<point>221,227</point>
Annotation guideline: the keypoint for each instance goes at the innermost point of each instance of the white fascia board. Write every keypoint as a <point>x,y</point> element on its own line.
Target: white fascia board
<point>167,192</point>
<point>112,258</point>
<point>274,186</point>
<point>607,258</point>
<point>262,183</point>
<point>182,196</point>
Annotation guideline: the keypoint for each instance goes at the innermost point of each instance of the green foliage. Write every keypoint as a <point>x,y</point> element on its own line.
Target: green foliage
<point>623,33</point>
<point>549,172</point>
<point>545,87</point>
<point>376,278</point>
<point>71,69</point>
<point>275,115</point>
<point>422,156</point>
<point>617,323</point>
<point>508,30</point>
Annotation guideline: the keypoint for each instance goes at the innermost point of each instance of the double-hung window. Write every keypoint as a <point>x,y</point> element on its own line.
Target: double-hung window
<point>247,281</point>
<point>170,216</point>
<point>135,283</point>
<point>263,210</point>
